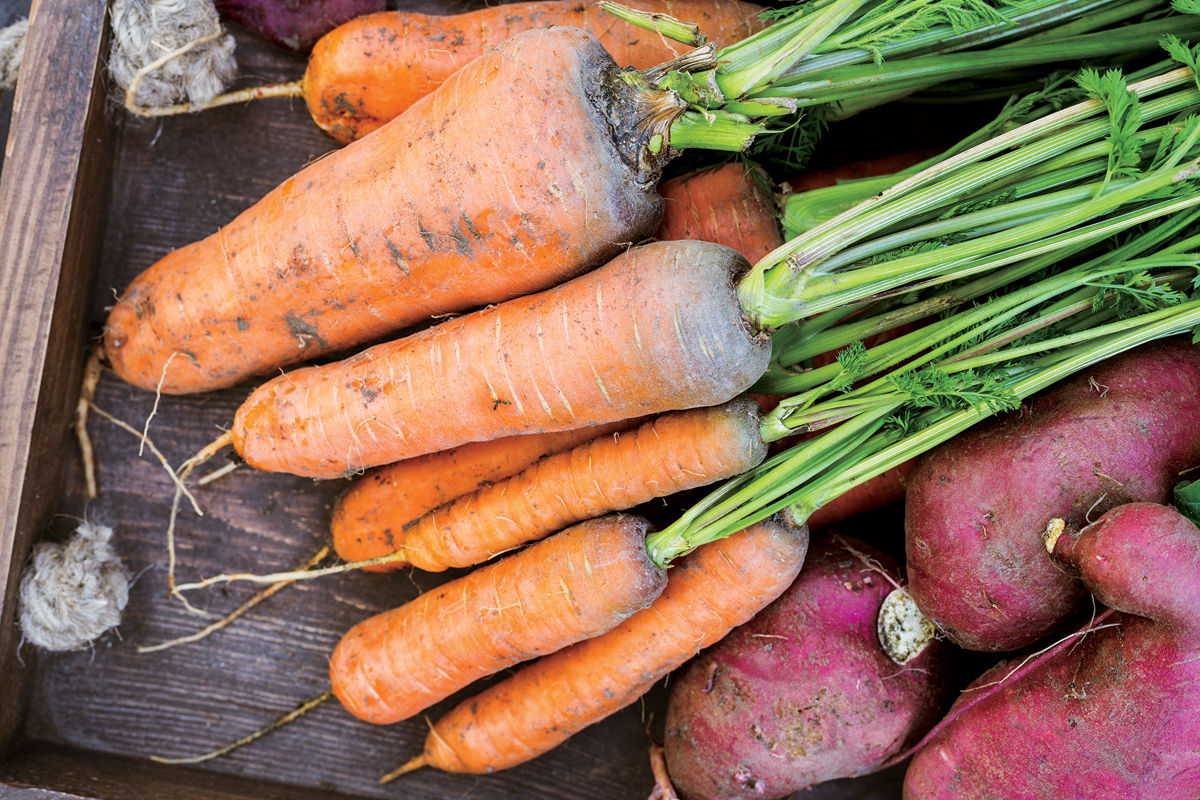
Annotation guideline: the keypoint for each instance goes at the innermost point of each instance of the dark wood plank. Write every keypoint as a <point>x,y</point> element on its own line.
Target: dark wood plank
<point>55,157</point>
<point>44,772</point>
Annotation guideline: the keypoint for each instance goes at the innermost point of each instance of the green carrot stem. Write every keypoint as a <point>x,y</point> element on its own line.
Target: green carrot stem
<point>798,292</point>
<point>909,75</point>
<point>807,499</point>
<point>845,48</point>
<point>716,130</point>
<point>950,178</point>
<point>686,32</point>
<point>789,481</point>
<point>758,60</point>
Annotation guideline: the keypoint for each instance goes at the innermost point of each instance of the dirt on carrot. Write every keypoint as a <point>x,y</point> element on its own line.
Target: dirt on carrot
<point>658,328</point>
<point>421,219</point>
<point>708,593</point>
<point>369,70</point>
<point>572,586</point>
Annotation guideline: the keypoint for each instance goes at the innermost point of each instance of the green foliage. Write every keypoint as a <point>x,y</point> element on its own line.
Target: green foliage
<point>935,388</point>
<point>789,149</point>
<point>853,361</point>
<point>893,21</point>
<point>916,248</point>
<point>1181,51</point>
<point>1187,500</point>
<point>1177,136</point>
<point>1138,294</point>
<point>1186,6</point>
<point>1125,115</point>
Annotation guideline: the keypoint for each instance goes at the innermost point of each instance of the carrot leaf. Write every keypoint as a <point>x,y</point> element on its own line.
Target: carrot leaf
<point>1187,500</point>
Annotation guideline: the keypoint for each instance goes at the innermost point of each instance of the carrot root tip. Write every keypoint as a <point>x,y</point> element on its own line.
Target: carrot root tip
<point>404,769</point>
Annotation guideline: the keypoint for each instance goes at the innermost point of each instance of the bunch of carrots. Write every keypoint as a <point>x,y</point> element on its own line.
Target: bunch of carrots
<point>599,375</point>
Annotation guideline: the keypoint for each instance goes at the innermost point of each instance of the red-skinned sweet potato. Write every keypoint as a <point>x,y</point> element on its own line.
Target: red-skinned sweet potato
<point>977,505</point>
<point>295,24</point>
<point>804,692</point>
<point>1113,717</point>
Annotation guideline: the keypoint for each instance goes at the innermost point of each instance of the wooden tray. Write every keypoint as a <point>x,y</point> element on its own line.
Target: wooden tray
<point>88,198</point>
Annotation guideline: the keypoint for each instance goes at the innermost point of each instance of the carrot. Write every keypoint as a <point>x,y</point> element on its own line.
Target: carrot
<point>676,451</point>
<point>441,211</point>
<point>727,205</point>
<point>711,591</point>
<point>369,70</point>
<point>569,587</point>
<point>658,328</point>
<point>369,516</point>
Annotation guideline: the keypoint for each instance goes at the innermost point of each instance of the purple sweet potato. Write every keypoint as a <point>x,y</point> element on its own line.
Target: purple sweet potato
<point>1115,716</point>
<point>977,505</point>
<point>295,24</point>
<point>804,692</point>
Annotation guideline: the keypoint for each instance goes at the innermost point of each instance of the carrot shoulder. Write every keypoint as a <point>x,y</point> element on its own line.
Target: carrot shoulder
<point>677,451</point>
<point>572,586</point>
<point>714,589</point>
<point>369,517</point>
<point>369,70</point>
<point>658,328</point>
<point>422,218</point>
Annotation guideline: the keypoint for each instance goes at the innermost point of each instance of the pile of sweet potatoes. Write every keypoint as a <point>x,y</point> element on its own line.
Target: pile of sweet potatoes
<point>1017,533</point>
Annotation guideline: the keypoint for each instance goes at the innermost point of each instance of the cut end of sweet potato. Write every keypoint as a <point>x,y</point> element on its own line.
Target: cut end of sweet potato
<point>904,632</point>
<point>1054,529</point>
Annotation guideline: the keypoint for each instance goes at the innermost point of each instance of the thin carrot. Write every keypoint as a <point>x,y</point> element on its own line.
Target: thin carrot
<point>572,586</point>
<point>370,515</point>
<point>677,451</point>
<point>656,329</point>
<point>369,70</point>
<point>729,205</point>
<point>711,591</point>
<point>441,211</point>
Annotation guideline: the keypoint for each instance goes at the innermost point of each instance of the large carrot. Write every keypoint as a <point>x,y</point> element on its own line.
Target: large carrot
<point>369,517</point>
<point>677,451</point>
<point>369,70</point>
<point>711,591</point>
<point>569,587</point>
<point>442,210</point>
<point>658,328</point>
<point>729,205</point>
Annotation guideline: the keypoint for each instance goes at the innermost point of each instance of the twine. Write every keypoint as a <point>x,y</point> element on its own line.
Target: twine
<point>71,593</point>
<point>12,52</point>
<point>169,51</point>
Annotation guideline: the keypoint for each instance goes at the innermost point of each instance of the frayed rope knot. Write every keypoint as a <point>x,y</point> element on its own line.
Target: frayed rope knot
<point>71,593</point>
<point>12,51</point>
<point>170,51</point>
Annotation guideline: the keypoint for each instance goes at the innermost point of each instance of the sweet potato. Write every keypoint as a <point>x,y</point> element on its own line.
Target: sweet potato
<point>1115,716</point>
<point>295,24</point>
<point>976,506</point>
<point>804,692</point>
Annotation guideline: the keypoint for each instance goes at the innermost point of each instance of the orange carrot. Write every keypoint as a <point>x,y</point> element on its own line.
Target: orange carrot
<point>711,591</point>
<point>370,515</point>
<point>727,205</point>
<point>658,328</point>
<point>676,451</point>
<point>572,586</point>
<point>369,70</point>
<point>441,210</point>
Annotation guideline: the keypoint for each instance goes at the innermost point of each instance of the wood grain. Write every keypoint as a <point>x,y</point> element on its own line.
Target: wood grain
<point>56,168</point>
